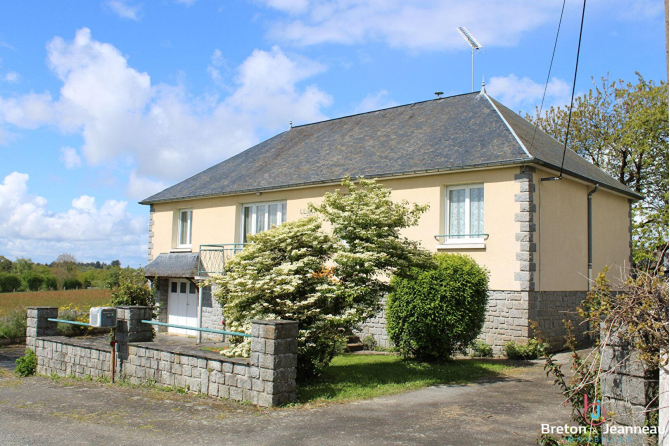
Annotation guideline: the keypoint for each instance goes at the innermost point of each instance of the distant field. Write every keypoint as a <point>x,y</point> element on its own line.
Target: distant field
<point>82,299</point>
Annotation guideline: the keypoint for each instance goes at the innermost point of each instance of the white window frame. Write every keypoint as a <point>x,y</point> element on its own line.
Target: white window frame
<point>189,228</point>
<point>462,242</point>
<point>281,217</point>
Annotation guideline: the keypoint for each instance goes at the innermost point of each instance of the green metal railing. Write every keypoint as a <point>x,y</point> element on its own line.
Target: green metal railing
<point>460,236</point>
<point>63,321</point>
<point>206,330</point>
<point>213,258</point>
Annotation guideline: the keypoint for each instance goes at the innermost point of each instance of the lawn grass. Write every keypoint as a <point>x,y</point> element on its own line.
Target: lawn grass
<point>353,377</point>
<point>81,299</point>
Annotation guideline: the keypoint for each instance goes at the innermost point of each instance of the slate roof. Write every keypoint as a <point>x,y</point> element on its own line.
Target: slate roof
<point>453,133</point>
<point>182,264</point>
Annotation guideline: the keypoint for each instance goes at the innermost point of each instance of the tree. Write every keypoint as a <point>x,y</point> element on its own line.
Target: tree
<point>67,262</point>
<point>623,129</point>
<point>368,223</point>
<point>282,274</point>
<point>21,265</point>
<point>5,264</point>
<point>326,283</point>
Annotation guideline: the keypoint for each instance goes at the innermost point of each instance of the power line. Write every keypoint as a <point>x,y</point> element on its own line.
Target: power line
<point>574,84</point>
<point>551,64</point>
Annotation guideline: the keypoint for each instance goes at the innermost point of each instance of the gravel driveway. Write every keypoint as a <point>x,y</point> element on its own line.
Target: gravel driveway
<point>45,411</point>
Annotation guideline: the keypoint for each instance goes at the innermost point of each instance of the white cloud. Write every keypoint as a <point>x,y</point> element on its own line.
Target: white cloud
<point>375,101</point>
<point>70,158</point>
<point>12,77</point>
<point>429,25</point>
<point>124,9</point>
<point>417,25</point>
<point>140,188</point>
<point>164,132</point>
<point>525,94</point>
<point>27,111</point>
<point>290,6</point>
<point>28,228</point>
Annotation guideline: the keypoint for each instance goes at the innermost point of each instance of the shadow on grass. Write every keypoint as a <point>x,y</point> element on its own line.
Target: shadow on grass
<point>351,377</point>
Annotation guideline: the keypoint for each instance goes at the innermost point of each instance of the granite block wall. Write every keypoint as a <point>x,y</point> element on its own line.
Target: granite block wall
<point>267,378</point>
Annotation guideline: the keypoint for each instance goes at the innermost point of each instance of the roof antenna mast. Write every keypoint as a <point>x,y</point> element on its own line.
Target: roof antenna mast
<point>474,45</point>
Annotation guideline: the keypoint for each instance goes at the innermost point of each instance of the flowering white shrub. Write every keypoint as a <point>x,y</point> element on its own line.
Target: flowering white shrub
<point>284,272</point>
<point>367,223</point>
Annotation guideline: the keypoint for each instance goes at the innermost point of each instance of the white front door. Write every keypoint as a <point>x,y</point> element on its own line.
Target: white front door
<point>182,306</point>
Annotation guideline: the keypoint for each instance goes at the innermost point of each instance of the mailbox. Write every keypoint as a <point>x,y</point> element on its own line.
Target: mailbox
<point>103,317</point>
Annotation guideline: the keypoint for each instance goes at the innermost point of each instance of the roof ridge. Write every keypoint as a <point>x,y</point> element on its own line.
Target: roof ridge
<point>411,104</point>
<point>511,129</point>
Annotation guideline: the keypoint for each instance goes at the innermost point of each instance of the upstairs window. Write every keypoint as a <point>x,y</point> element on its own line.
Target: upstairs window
<point>184,228</point>
<point>259,217</point>
<point>465,214</point>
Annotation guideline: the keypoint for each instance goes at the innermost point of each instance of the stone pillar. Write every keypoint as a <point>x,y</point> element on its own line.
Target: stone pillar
<point>38,325</point>
<point>628,387</point>
<point>274,354</point>
<point>129,327</point>
<point>663,410</point>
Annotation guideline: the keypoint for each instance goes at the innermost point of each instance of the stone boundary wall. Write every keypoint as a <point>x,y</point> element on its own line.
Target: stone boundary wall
<point>267,378</point>
<point>628,389</point>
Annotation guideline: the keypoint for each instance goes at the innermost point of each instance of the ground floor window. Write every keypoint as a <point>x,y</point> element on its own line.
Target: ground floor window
<point>465,213</point>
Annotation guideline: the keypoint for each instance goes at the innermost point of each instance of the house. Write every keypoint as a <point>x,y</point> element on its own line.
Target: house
<point>479,165</point>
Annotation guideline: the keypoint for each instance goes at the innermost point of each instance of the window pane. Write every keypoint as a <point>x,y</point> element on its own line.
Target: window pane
<point>182,287</point>
<point>283,212</point>
<point>273,210</point>
<point>247,223</point>
<point>457,211</point>
<point>184,236</point>
<point>261,215</point>
<point>477,210</point>
<point>173,287</point>
<point>191,289</point>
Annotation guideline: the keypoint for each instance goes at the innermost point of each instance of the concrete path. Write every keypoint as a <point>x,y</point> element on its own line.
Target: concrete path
<point>44,411</point>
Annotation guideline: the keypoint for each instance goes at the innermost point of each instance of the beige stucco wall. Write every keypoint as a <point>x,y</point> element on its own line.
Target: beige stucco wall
<point>561,220</point>
<point>562,233</point>
<point>217,220</point>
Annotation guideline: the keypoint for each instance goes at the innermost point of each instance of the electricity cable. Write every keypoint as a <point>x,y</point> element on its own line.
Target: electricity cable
<point>551,64</point>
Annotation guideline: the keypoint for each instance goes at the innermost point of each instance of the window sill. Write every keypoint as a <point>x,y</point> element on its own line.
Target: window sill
<point>475,245</point>
<point>182,249</point>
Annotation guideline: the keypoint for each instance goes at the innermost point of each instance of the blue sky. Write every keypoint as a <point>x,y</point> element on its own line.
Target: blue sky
<point>103,103</point>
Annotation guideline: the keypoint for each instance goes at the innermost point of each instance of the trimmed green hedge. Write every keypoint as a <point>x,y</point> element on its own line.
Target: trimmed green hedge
<point>440,311</point>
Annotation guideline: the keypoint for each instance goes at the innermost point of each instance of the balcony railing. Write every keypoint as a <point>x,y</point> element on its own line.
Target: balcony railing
<point>213,258</point>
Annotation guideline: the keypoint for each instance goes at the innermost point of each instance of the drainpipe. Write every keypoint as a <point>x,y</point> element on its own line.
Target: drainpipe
<point>590,242</point>
<point>199,336</point>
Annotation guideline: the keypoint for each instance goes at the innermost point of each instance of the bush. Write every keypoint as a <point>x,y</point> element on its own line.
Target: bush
<point>14,325</point>
<point>72,284</point>
<point>50,282</point>
<point>532,350</point>
<point>26,365</point>
<point>71,313</point>
<point>133,289</point>
<point>369,342</point>
<point>33,280</point>
<point>480,349</point>
<point>282,274</point>
<point>440,310</point>
<point>9,283</point>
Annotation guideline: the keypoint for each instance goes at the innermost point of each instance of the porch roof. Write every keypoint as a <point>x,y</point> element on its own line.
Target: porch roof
<point>182,264</point>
